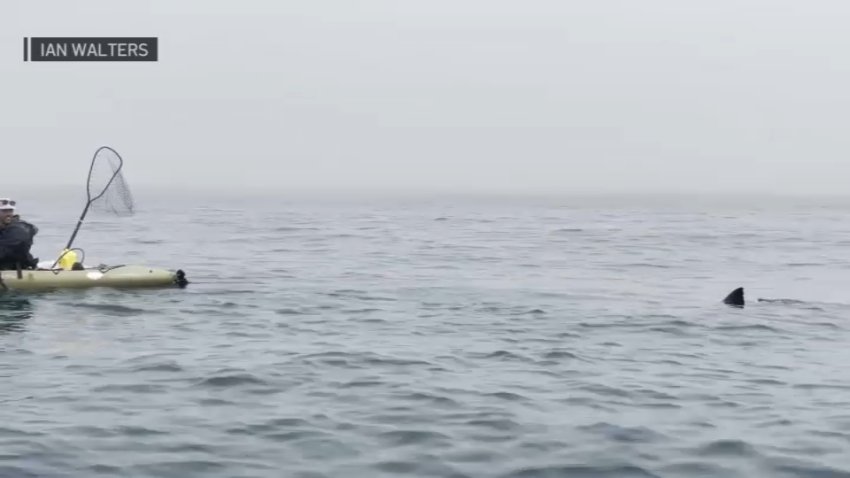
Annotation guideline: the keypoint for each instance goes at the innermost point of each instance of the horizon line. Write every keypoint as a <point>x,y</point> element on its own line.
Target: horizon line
<point>248,189</point>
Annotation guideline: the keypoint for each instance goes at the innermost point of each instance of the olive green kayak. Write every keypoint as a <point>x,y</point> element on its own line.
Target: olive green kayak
<point>123,276</point>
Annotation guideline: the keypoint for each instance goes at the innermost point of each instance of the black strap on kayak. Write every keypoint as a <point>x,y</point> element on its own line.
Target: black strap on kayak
<point>18,269</point>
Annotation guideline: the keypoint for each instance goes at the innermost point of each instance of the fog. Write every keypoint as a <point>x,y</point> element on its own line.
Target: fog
<point>438,96</point>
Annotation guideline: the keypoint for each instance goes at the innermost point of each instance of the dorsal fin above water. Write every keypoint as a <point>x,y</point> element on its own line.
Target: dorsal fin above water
<point>735,298</point>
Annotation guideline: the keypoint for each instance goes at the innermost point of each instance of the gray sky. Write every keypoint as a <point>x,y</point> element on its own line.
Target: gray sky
<point>440,95</point>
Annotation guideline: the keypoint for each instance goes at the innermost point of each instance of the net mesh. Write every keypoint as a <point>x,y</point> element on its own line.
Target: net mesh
<point>107,188</point>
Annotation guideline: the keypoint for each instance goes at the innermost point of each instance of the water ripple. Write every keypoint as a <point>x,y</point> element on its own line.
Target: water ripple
<point>227,378</point>
<point>519,338</point>
<point>584,471</point>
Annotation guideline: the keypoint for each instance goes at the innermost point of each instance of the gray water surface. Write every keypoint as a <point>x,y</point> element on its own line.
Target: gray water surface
<point>444,338</point>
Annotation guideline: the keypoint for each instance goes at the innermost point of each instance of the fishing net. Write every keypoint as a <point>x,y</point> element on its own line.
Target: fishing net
<point>107,190</point>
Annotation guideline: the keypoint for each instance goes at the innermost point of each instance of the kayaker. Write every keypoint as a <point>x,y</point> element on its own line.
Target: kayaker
<point>16,238</point>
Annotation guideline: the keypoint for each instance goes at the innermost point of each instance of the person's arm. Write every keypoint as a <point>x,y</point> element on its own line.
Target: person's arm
<point>12,237</point>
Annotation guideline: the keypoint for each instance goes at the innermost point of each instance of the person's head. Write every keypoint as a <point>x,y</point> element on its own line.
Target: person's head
<point>7,210</point>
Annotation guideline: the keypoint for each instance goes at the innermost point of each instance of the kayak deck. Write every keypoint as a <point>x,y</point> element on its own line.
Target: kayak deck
<point>122,276</point>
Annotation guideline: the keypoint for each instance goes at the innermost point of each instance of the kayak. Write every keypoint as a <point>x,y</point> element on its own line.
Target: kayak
<point>122,276</point>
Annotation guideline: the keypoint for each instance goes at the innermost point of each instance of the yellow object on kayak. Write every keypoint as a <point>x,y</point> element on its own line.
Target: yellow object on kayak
<point>69,257</point>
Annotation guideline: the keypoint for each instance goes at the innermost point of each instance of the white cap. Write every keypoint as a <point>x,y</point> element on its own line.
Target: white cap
<point>7,204</point>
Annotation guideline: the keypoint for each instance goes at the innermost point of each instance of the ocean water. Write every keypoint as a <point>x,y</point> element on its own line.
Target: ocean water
<point>438,337</point>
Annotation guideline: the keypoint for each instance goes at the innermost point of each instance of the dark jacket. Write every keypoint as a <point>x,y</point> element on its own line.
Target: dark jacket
<point>16,239</point>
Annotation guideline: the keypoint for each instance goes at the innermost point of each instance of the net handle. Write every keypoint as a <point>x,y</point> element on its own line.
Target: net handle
<point>89,198</point>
